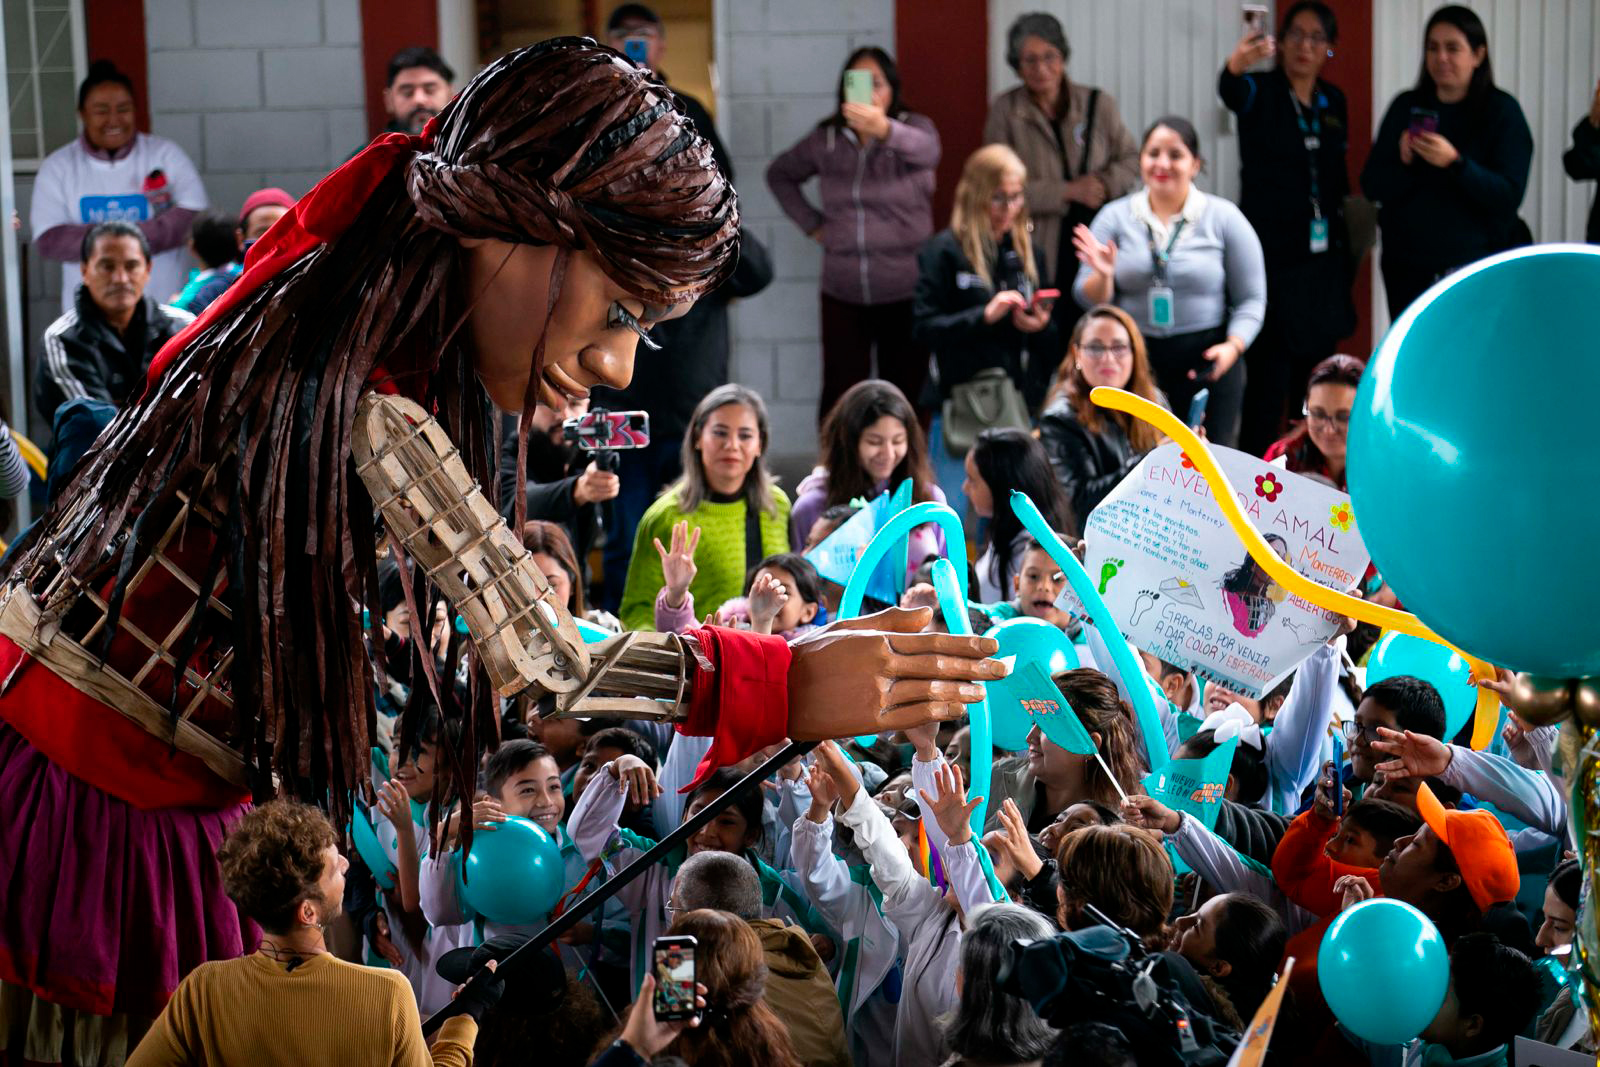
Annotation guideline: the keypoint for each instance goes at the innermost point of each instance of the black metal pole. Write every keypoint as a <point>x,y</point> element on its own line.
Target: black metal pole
<point>612,886</point>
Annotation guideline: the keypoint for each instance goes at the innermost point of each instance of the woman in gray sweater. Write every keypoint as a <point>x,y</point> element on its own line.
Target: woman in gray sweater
<point>1188,267</point>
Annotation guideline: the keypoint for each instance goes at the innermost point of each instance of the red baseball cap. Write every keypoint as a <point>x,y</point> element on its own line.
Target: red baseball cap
<point>1481,848</point>
<point>271,196</point>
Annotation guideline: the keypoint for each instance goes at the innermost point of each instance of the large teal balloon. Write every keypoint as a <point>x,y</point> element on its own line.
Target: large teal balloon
<point>1471,458</point>
<point>514,872</point>
<point>1442,667</point>
<point>1030,641</point>
<point>1383,969</point>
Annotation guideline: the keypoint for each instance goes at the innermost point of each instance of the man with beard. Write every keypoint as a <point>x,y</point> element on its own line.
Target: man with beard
<point>281,865</point>
<point>420,84</point>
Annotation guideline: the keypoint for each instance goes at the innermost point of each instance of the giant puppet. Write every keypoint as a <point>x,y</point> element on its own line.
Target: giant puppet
<point>182,632</point>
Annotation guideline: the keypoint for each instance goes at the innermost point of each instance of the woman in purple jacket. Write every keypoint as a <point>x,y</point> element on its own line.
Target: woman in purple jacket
<point>875,164</point>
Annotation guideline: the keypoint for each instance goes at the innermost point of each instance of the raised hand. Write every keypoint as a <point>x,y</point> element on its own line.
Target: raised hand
<point>767,599</point>
<point>1415,755</point>
<point>951,808</point>
<point>395,805</point>
<point>1013,838</point>
<point>837,768</point>
<point>1098,257</point>
<point>881,672</point>
<point>1251,49</point>
<point>677,564</point>
<point>638,777</point>
<point>1323,803</point>
<point>823,793</point>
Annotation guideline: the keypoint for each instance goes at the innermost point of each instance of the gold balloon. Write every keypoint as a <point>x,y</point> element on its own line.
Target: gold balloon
<point>1586,701</point>
<point>1541,701</point>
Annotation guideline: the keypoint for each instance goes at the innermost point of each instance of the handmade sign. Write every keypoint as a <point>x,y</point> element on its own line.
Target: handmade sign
<point>837,555</point>
<point>1182,588</point>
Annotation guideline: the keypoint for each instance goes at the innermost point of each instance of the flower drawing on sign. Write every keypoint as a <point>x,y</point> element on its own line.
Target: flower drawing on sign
<point>1035,706</point>
<point>1268,487</point>
<point>1341,517</point>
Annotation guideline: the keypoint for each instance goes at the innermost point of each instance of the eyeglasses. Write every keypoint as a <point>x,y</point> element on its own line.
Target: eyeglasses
<point>1328,420</point>
<point>1354,731</point>
<point>1051,58</point>
<point>1003,200</point>
<point>1315,39</point>
<point>1096,350</point>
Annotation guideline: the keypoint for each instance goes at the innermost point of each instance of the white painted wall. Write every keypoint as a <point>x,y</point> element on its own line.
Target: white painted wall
<point>778,62</point>
<point>1546,53</point>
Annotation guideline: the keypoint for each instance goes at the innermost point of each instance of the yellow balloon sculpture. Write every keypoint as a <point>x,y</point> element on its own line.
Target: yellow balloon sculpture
<point>1487,715</point>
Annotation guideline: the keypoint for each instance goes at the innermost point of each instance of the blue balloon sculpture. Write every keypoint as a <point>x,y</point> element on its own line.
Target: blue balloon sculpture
<point>1384,970</point>
<point>892,533</point>
<point>1471,459</point>
<point>1027,640</point>
<point>514,873</point>
<point>1442,667</point>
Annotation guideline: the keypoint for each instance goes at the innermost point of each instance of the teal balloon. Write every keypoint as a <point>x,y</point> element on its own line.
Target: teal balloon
<point>1441,667</point>
<point>1383,969</point>
<point>514,872</point>
<point>1030,641</point>
<point>1470,463</point>
<point>371,850</point>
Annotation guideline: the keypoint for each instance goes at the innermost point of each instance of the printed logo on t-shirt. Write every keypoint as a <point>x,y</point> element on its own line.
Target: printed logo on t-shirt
<point>127,207</point>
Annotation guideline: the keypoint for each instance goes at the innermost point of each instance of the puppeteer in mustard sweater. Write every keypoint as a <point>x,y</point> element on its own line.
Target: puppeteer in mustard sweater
<point>721,560</point>
<point>256,1010</point>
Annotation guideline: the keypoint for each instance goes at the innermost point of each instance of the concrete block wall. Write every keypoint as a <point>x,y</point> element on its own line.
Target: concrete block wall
<point>257,94</point>
<point>779,65</point>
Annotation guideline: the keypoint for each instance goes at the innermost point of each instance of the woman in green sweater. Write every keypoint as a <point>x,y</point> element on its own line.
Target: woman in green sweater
<point>726,494</point>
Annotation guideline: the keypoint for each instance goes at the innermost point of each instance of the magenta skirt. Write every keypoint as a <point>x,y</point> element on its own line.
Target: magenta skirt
<point>104,907</point>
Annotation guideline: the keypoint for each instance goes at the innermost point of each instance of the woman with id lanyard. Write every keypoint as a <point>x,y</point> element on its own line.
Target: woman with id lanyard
<point>1188,267</point>
<point>1293,138</point>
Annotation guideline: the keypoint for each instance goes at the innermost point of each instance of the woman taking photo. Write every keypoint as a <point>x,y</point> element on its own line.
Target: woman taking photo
<point>1071,137</point>
<point>1002,461</point>
<point>1293,138</point>
<point>874,162</point>
<point>1188,268</point>
<point>1449,165</point>
<point>1091,448</point>
<point>871,442</point>
<point>974,307</point>
<point>726,493</point>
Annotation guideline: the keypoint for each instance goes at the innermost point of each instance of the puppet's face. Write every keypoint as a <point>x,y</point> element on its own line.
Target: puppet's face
<point>593,332</point>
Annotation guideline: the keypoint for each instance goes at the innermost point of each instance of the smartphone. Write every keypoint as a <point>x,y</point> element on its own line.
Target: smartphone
<point>675,978</point>
<point>858,87</point>
<point>1045,299</point>
<point>636,49</point>
<point>1197,409</point>
<point>1255,20</point>
<point>1338,776</point>
<point>1424,121</point>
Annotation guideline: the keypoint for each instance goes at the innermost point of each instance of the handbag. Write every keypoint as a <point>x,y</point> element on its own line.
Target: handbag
<point>990,399</point>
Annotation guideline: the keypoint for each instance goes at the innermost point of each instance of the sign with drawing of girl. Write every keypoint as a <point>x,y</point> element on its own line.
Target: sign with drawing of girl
<point>1182,585</point>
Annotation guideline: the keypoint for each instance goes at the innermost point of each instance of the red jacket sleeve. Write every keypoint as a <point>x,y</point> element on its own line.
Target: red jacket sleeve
<point>1305,874</point>
<point>743,702</point>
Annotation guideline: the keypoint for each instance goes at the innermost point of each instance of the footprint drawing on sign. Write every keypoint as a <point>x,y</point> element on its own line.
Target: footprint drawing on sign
<point>1147,600</point>
<point>1108,571</point>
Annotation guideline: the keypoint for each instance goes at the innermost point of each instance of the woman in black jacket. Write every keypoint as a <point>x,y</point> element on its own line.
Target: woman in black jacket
<point>1450,163</point>
<point>1293,138</point>
<point>974,304</point>
<point>1091,448</point>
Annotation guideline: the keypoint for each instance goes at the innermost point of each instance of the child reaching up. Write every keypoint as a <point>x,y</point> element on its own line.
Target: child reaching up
<point>783,593</point>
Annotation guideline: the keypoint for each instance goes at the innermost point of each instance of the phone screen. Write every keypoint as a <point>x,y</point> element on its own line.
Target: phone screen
<point>858,87</point>
<point>1424,121</point>
<point>636,49</point>
<point>675,977</point>
<point>1255,20</point>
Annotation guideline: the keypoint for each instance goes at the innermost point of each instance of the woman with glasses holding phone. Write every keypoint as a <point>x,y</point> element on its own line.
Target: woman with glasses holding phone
<point>1293,139</point>
<point>1090,448</point>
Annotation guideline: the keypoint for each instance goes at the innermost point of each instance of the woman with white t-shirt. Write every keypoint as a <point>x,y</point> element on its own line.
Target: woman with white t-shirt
<point>112,171</point>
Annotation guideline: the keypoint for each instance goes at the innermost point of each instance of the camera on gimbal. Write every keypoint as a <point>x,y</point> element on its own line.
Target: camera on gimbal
<point>1105,975</point>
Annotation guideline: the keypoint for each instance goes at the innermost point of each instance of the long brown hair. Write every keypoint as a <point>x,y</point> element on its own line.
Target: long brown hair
<point>738,1028</point>
<point>552,540</point>
<point>1337,369</point>
<point>564,143</point>
<point>863,404</point>
<point>1071,383</point>
<point>1102,711</point>
<point>985,169</point>
<point>1123,871</point>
